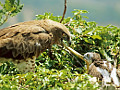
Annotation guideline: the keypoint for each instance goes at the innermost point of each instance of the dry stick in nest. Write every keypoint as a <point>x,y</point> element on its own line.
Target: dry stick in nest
<point>65,7</point>
<point>77,54</point>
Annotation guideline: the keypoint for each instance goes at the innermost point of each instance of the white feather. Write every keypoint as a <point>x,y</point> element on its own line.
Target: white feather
<point>105,74</point>
<point>115,77</point>
<point>105,63</point>
<point>110,66</point>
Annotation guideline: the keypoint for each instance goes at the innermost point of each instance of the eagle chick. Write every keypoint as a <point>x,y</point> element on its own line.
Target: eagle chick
<point>102,69</point>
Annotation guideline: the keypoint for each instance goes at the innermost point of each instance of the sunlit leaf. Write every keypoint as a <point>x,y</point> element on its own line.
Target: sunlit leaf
<point>96,37</point>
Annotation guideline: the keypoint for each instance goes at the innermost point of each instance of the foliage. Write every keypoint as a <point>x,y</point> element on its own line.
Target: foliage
<point>45,79</point>
<point>9,8</point>
<point>62,70</point>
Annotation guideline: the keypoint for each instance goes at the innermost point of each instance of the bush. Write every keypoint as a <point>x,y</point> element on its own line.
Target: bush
<point>62,71</point>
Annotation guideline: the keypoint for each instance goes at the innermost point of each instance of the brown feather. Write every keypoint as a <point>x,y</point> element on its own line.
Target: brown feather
<point>30,38</point>
<point>104,65</point>
<point>25,41</point>
<point>93,72</point>
<point>17,43</point>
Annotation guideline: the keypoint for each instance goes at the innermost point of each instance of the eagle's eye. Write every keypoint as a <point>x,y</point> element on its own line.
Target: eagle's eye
<point>64,37</point>
<point>63,34</point>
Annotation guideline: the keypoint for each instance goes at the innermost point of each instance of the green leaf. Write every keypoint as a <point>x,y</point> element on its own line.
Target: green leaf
<point>96,37</point>
<point>105,54</point>
<point>12,2</point>
<point>87,31</point>
<point>8,5</point>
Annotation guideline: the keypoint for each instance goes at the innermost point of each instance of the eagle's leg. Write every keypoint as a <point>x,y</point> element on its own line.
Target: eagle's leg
<point>27,65</point>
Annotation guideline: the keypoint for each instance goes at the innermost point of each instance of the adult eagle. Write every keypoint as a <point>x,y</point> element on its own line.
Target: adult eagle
<point>22,43</point>
<point>102,69</point>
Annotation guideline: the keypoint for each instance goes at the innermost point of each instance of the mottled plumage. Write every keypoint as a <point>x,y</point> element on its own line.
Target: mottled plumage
<point>22,43</point>
<point>102,64</point>
<point>102,69</point>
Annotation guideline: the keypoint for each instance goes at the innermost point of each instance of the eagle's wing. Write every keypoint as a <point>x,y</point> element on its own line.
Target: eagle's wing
<point>23,41</point>
<point>21,44</point>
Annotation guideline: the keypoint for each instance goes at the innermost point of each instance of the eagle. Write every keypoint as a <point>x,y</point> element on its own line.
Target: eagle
<point>23,42</point>
<point>102,69</point>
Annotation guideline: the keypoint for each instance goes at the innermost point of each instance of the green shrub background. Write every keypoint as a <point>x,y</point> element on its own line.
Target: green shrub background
<point>62,71</point>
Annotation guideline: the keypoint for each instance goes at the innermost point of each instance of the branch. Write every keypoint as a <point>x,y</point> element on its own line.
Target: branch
<point>5,19</point>
<point>65,7</point>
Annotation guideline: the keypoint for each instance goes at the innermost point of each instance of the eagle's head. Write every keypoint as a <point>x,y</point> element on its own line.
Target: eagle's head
<point>57,30</point>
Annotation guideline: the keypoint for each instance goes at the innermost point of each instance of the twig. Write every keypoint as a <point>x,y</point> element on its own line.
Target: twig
<point>5,19</point>
<point>65,7</point>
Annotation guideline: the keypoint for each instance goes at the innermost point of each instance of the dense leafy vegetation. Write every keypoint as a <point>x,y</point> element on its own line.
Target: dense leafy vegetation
<point>62,70</point>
